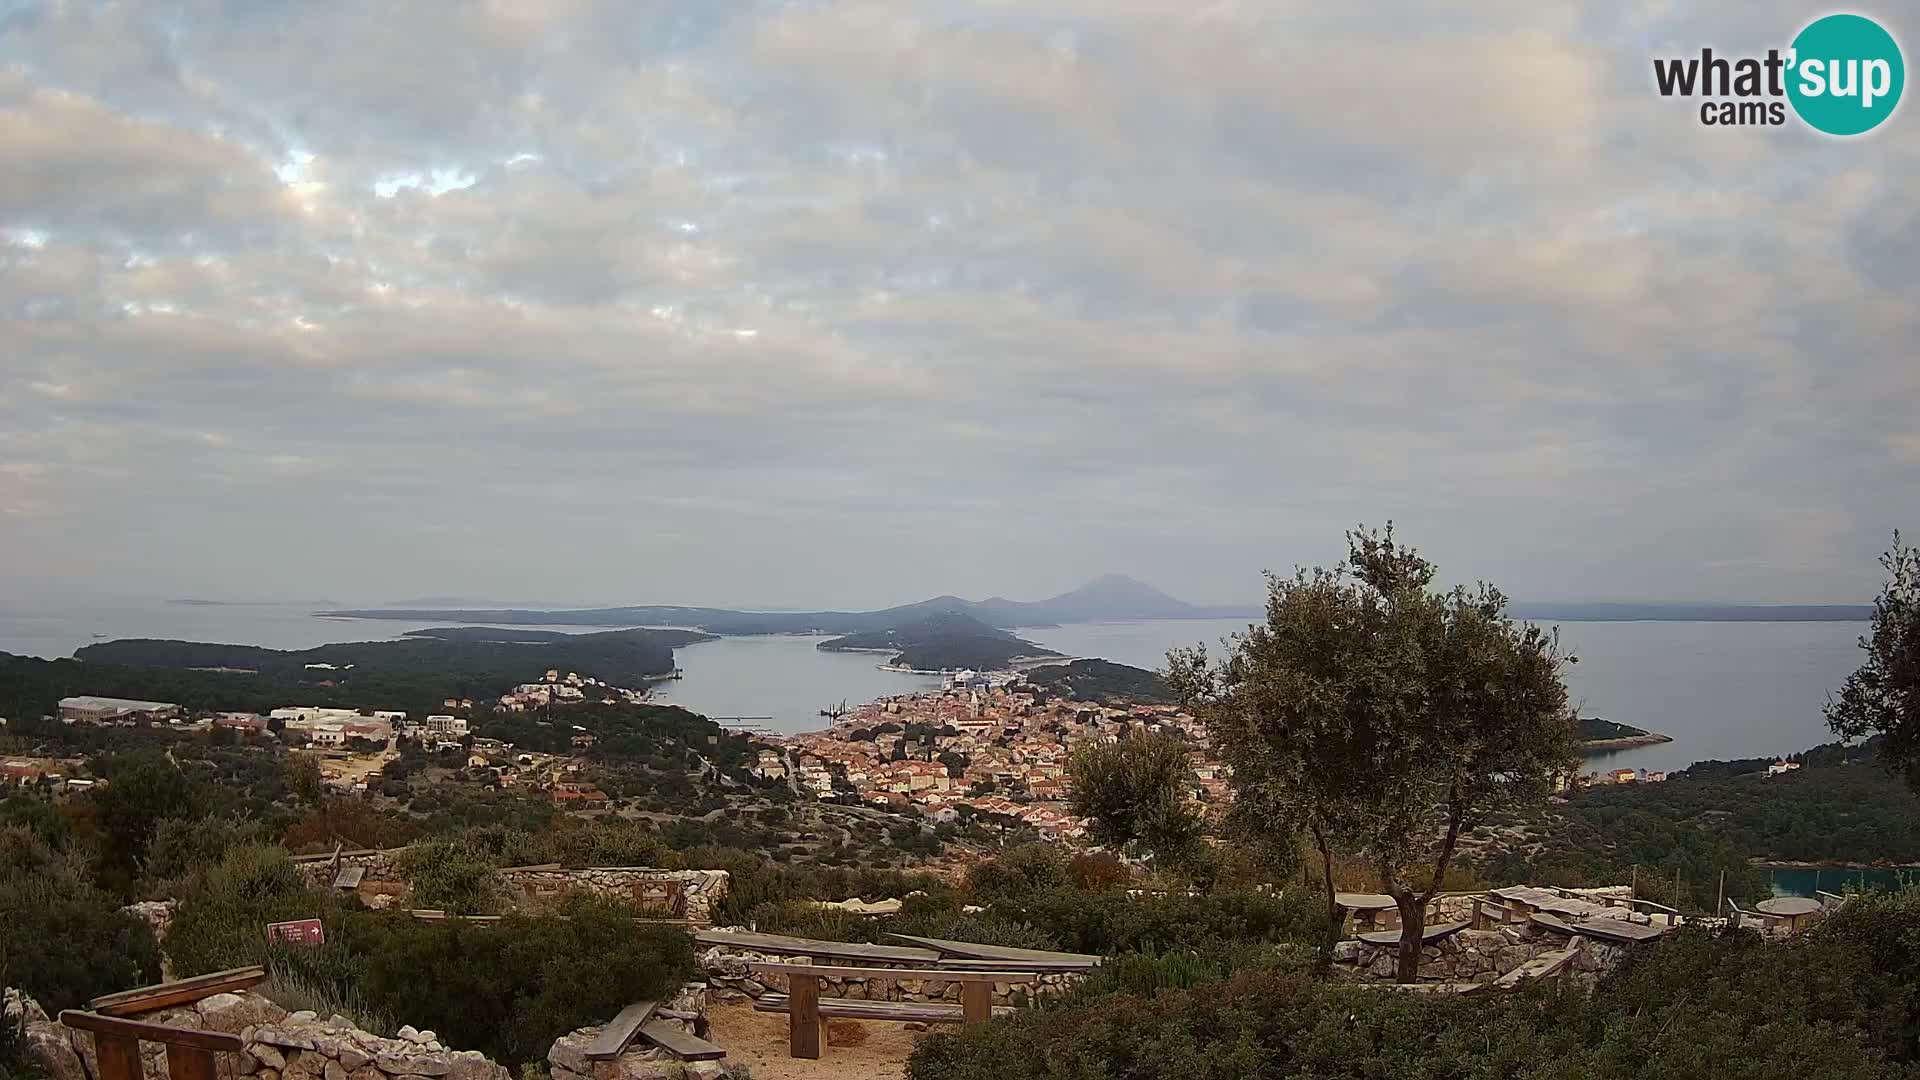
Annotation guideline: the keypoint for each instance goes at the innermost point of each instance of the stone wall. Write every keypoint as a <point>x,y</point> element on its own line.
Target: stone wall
<point>567,1059</point>
<point>280,1046</point>
<point>1474,956</point>
<point>730,980</point>
<point>697,892</point>
<point>693,893</point>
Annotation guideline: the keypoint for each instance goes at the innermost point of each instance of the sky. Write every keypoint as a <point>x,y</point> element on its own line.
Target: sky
<point>851,302</point>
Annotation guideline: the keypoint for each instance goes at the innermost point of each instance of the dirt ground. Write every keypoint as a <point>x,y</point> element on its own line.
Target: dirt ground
<point>759,1040</point>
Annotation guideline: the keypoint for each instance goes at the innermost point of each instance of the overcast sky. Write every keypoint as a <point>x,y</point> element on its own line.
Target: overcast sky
<point>850,302</point>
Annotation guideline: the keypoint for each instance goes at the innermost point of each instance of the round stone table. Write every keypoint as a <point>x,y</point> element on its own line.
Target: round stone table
<point>1793,909</point>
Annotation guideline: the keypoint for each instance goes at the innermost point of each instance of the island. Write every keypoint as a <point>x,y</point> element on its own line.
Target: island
<point>1103,681</point>
<point>1597,734</point>
<point>947,641</point>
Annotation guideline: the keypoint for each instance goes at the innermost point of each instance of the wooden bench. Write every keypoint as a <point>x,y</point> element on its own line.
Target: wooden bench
<point>636,1021</point>
<point>1428,935</point>
<point>807,1010</point>
<point>964,954</point>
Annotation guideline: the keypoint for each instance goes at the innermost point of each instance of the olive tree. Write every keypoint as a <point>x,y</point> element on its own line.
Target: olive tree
<point>1134,793</point>
<point>1883,696</point>
<point>1384,717</point>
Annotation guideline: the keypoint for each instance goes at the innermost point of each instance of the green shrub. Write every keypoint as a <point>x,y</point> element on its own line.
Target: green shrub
<point>1184,969</point>
<point>1020,872</point>
<point>451,876</point>
<point>1835,1002</point>
<point>222,921</point>
<point>1113,921</point>
<point>66,941</point>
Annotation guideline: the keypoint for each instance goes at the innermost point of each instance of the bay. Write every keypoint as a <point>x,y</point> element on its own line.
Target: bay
<point>1719,689</point>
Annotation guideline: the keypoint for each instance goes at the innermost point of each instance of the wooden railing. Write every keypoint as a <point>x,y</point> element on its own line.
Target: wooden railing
<point>116,1046</point>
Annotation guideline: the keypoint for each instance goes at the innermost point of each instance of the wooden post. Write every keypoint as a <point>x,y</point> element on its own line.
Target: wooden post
<point>189,1063</point>
<point>806,1033</point>
<point>976,1002</point>
<point>119,1056</point>
<point>1635,887</point>
<point>1676,886</point>
<point>1720,899</point>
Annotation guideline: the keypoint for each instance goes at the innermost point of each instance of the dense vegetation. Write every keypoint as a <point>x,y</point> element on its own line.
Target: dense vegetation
<point>1712,820</point>
<point>946,641</point>
<point>1842,1001</point>
<point>1102,681</point>
<point>1594,729</point>
<point>413,674</point>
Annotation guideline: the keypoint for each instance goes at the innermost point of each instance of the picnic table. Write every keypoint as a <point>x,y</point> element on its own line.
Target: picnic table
<point>1370,910</point>
<point>962,955</point>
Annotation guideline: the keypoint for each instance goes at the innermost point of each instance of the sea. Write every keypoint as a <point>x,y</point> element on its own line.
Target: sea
<point>1718,689</point>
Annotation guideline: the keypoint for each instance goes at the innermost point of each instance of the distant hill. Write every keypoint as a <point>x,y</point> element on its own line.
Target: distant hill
<point>944,641</point>
<point>1102,681</point>
<point>1112,597</point>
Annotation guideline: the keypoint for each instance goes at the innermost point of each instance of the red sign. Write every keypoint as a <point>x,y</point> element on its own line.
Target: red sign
<point>297,932</point>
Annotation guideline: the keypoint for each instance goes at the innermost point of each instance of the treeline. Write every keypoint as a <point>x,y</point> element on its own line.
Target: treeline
<point>946,641</point>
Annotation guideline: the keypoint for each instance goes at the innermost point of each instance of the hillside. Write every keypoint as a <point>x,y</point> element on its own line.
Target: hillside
<point>947,641</point>
<point>1102,681</point>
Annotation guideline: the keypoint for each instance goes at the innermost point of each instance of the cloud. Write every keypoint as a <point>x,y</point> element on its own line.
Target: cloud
<point>848,301</point>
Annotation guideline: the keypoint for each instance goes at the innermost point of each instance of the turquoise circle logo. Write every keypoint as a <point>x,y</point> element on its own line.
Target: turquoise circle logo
<point>1847,74</point>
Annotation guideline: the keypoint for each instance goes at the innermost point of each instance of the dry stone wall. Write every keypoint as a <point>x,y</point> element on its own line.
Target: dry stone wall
<point>731,980</point>
<point>280,1046</point>
<point>689,894</point>
<point>1474,956</point>
<point>567,1059</point>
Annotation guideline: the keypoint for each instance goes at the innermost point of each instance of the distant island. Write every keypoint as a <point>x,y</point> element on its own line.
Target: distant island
<point>1110,598</point>
<point>946,641</point>
<point>1598,734</point>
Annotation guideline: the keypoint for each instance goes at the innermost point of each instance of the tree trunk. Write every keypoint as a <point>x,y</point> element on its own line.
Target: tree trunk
<point>1413,926</point>
<point>1336,919</point>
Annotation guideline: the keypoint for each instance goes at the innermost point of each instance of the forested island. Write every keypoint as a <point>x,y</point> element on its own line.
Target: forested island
<point>946,641</point>
<point>1598,734</point>
<point>413,674</point>
<point>1102,681</point>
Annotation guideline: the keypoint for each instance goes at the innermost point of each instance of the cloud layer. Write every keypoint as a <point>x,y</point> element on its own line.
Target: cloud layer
<point>850,301</point>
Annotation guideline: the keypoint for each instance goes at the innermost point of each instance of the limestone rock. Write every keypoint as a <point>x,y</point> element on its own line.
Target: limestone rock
<point>569,1052</point>
<point>49,1044</point>
<point>333,1070</point>
<point>419,1064</point>
<point>268,1055</point>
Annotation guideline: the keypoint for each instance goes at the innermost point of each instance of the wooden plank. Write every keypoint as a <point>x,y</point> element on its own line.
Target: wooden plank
<point>178,992</point>
<point>1617,930</point>
<point>1427,937</point>
<point>806,1030</point>
<point>1364,901</point>
<point>1041,967</point>
<point>976,1002</point>
<point>968,950</point>
<point>613,1039</point>
<point>836,950</point>
<point>189,1063</point>
<point>349,877</point>
<point>835,971</point>
<point>926,1012</point>
<point>118,1056</point>
<point>160,1033</point>
<point>686,1047</point>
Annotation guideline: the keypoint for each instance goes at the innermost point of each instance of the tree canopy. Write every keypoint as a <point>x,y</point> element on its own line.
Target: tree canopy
<point>1384,717</point>
<point>1883,696</point>
<point>1135,792</point>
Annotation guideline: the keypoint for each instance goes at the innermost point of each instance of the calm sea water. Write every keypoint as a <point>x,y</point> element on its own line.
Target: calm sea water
<point>1720,690</point>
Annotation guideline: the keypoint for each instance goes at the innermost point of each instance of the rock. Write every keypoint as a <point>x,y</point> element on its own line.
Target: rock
<point>267,1074</point>
<point>1346,952</point>
<point>352,1058</point>
<point>569,1052</point>
<point>427,1036</point>
<point>474,1065</point>
<point>421,1064</point>
<point>915,1025</point>
<point>304,1016</point>
<point>407,1032</point>
<point>333,1070</point>
<point>268,1055</point>
<point>50,1045</point>
<point>234,1013</point>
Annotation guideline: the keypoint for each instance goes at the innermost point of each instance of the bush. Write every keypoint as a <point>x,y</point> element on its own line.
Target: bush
<point>222,920</point>
<point>1020,872</point>
<point>451,876</point>
<point>1838,1001</point>
<point>1113,922</point>
<point>66,941</point>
